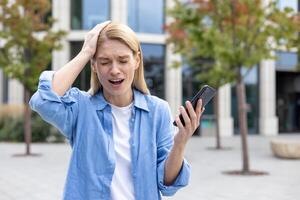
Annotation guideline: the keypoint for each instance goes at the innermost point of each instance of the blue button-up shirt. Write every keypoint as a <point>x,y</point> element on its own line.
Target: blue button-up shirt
<point>86,121</point>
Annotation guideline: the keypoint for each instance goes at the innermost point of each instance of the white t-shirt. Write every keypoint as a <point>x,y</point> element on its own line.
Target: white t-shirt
<point>122,183</point>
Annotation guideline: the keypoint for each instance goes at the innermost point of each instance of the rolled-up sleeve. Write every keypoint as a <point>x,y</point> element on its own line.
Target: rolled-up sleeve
<point>164,145</point>
<point>60,111</point>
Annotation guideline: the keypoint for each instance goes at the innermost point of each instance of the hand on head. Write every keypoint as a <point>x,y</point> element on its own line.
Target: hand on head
<point>90,41</point>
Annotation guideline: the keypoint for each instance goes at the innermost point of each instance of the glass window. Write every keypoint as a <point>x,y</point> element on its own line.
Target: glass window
<point>85,14</point>
<point>48,15</point>
<point>290,3</point>
<point>83,80</point>
<point>190,86</point>
<point>288,101</point>
<point>286,61</point>
<point>154,68</point>
<point>146,16</point>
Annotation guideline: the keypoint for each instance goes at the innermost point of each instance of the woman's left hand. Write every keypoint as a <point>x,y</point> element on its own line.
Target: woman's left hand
<point>191,119</point>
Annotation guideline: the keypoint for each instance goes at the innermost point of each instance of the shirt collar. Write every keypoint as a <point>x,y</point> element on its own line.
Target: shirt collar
<point>140,101</point>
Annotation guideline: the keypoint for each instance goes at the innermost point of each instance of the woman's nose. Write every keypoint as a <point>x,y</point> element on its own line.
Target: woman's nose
<point>114,68</point>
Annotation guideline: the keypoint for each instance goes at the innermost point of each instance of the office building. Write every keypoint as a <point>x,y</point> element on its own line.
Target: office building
<point>273,87</point>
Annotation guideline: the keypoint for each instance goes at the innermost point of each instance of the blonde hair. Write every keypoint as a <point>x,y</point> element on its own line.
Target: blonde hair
<point>122,33</point>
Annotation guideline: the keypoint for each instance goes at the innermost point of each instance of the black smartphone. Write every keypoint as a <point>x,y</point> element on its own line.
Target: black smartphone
<point>206,93</point>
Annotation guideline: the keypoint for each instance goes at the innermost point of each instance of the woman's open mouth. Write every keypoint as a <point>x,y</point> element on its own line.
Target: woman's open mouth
<point>116,82</point>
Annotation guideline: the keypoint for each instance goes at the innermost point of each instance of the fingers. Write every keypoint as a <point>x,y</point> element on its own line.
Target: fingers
<point>191,119</point>
<point>97,29</point>
<point>94,33</point>
<point>191,113</point>
<point>185,116</point>
<point>178,123</point>
<point>91,38</point>
<point>199,106</point>
<point>190,116</point>
<point>199,109</point>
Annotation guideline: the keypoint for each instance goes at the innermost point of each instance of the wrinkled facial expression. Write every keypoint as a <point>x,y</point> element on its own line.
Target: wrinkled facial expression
<point>115,66</point>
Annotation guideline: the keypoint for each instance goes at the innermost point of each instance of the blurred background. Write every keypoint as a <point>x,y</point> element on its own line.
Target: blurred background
<point>276,107</point>
<point>272,96</point>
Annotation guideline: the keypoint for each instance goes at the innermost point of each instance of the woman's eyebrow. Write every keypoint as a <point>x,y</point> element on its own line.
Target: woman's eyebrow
<point>124,57</point>
<point>102,58</point>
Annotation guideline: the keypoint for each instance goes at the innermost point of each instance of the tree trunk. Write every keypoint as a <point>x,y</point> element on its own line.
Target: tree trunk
<point>240,90</point>
<point>27,121</point>
<point>27,112</point>
<point>216,111</point>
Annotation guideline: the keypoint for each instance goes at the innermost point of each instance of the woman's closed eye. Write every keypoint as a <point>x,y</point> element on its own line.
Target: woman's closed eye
<point>103,61</point>
<point>123,61</point>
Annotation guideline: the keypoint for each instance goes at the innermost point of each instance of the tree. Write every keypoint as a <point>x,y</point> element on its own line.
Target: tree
<point>233,35</point>
<point>27,43</point>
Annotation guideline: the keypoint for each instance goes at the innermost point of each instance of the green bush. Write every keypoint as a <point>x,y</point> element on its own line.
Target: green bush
<point>11,130</point>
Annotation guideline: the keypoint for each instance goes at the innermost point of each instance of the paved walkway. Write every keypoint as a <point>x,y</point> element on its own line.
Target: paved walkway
<point>42,177</point>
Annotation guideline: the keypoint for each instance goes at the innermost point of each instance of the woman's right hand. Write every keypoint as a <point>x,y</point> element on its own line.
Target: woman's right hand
<point>90,42</point>
<point>65,76</point>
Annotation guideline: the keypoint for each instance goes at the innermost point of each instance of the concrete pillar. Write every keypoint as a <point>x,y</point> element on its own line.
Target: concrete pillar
<point>15,92</point>
<point>1,86</point>
<point>1,72</point>
<point>173,81</point>
<point>268,121</point>
<point>118,11</point>
<point>62,12</point>
<point>173,76</point>
<point>225,118</point>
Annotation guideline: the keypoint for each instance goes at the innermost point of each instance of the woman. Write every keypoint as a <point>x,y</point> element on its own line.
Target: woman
<point>121,136</point>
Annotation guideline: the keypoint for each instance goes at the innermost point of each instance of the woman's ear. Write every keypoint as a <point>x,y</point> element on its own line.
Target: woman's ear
<point>93,64</point>
<point>138,60</point>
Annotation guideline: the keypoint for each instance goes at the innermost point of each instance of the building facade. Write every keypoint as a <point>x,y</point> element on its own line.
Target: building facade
<point>273,91</point>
